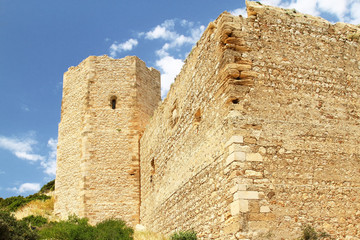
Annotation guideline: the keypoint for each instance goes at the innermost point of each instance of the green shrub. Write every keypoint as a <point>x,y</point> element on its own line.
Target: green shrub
<point>79,229</point>
<point>184,235</point>
<point>113,230</point>
<point>8,204</point>
<point>11,229</point>
<point>73,229</point>
<point>309,233</point>
<point>50,186</point>
<point>35,221</point>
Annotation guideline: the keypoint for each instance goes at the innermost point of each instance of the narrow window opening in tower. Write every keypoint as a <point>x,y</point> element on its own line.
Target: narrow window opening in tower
<point>113,103</point>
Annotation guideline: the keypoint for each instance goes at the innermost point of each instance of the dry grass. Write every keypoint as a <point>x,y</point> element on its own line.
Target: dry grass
<point>147,235</point>
<point>37,208</point>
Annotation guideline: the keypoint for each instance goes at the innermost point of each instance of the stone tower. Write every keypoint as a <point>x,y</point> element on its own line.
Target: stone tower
<point>106,105</point>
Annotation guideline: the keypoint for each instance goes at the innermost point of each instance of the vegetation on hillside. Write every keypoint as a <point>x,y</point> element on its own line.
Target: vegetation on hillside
<point>12,204</point>
<point>50,186</point>
<point>37,208</point>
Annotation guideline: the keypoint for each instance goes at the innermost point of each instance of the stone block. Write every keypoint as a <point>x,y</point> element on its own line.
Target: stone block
<point>237,187</point>
<point>232,226</point>
<point>234,139</point>
<point>235,156</point>
<point>245,74</point>
<point>239,206</point>
<point>261,216</point>
<point>255,157</point>
<point>265,209</point>
<point>253,174</point>
<point>246,195</point>
<point>236,147</point>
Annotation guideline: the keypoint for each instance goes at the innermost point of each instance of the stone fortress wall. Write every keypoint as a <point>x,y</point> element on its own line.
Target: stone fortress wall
<point>276,142</point>
<point>258,135</point>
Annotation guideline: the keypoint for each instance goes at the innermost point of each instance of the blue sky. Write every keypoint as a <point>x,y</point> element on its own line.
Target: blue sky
<point>41,39</point>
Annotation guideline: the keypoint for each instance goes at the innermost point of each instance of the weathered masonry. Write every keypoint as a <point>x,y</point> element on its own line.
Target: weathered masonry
<point>258,135</point>
<point>106,104</point>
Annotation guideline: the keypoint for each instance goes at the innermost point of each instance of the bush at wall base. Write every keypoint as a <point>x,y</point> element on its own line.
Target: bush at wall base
<point>11,229</point>
<point>309,233</point>
<point>184,235</point>
<point>76,228</point>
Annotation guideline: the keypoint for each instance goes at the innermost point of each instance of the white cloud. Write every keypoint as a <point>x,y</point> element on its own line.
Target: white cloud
<point>29,156</point>
<point>336,7</point>
<point>355,13</point>
<point>186,23</point>
<point>271,2</point>
<point>165,31</point>
<point>50,164</point>
<point>25,108</point>
<point>162,31</point>
<point>169,67</point>
<point>343,10</point>
<point>239,11</point>
<point>169,32</point>
<point>304,6</point>
<point>21,148</point>
<point>158,32</point>
<point>120,47</point>
<point>27,187</point>
<point>196,33</point>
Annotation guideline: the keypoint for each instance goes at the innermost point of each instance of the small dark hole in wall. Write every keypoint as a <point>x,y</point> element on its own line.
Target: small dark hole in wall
<point>197,116</point>
<point>153,163</point>
<point>113,103</point>
<point>151,178</point>
<point>235,101</point>
<point>270,195</point>
<point>153,166</point>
